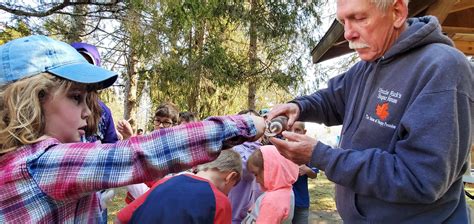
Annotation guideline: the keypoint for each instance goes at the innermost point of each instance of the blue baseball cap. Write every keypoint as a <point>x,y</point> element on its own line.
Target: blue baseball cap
<point>32,55</point>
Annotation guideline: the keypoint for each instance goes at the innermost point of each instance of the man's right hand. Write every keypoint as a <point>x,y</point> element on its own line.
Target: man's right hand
<point>290,110</point>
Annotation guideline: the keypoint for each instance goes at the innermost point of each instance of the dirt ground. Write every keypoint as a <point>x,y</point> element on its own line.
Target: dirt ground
<point>323,217</point>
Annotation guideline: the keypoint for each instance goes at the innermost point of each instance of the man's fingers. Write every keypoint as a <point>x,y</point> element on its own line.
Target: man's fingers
<point>291,121</point>
<point>282,146</point>
<point>275,111</point>
<point>278,143</point>
<point>291,136</point>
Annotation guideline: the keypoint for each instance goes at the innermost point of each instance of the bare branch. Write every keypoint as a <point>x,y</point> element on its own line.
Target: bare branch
<point>54,9</point>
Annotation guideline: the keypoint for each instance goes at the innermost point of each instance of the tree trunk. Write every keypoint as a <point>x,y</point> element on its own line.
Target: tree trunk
<point>196,67</point>
<point>252,86</point>
<point>131,87</point>
<point>78,25</point>
<point>130,101</point>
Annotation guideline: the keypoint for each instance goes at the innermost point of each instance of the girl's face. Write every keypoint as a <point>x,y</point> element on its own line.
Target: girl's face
<point>258,173</point>
<point>65,113</point>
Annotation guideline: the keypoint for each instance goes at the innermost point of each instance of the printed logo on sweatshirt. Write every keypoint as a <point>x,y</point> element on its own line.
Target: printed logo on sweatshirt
<point>381,110</point>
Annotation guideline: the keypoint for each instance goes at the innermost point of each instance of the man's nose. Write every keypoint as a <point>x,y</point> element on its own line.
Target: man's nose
<point>349,32</point>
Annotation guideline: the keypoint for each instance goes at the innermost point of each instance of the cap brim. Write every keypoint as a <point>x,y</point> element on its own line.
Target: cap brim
<point>87,74</point>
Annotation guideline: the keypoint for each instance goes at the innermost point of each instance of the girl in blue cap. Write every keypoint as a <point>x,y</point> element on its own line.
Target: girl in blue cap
<point>46,174</point>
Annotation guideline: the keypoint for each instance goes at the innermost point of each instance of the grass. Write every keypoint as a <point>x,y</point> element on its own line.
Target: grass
<point>321,192</point>
<point>470,188</point>
<point>117,203</point>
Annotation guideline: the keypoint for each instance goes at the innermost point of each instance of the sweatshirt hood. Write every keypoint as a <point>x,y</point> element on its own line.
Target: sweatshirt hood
<point>278,172</point>
<point>421,31</point>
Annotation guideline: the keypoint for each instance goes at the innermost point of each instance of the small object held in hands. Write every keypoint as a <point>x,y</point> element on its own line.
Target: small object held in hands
<point>276,126</point>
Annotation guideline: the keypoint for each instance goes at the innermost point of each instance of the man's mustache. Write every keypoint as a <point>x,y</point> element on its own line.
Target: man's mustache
<point>355,45</point>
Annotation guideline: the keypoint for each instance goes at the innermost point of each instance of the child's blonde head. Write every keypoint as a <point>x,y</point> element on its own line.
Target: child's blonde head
<point>228,160</point>
<point>22,119</point>
<point>224,172</point>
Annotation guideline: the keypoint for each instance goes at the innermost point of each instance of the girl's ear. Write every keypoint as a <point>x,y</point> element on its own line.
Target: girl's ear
<point>42,95</point>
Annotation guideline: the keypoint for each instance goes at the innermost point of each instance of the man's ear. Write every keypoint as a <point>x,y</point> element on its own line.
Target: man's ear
<point>400,13</point>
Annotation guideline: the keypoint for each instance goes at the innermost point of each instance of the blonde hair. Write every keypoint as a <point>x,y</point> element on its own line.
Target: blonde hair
<point>92,100</point>
<point>21,116</point>
<point>228,160</point>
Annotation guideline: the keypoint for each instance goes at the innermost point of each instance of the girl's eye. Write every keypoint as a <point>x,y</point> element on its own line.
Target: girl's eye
<point>77,98</point>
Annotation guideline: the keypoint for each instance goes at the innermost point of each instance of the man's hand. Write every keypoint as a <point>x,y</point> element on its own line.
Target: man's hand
<point>298,148</point>
<point>290,110</point>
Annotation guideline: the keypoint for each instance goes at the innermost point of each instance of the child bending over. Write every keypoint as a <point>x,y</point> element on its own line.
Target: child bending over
<point>276,175</point>
<point>188,198</point>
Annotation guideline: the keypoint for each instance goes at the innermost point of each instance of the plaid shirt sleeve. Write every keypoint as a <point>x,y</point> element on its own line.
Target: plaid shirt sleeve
<point>70,171</point>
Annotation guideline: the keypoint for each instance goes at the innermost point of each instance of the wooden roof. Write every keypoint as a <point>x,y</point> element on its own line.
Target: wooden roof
<point>455,16</point>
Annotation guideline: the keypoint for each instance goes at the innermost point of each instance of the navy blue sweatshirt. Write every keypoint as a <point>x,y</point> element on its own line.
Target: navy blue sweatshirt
<point>407,127</point>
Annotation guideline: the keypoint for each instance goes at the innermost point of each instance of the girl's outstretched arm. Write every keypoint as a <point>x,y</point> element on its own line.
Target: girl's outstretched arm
<point>69,171</point>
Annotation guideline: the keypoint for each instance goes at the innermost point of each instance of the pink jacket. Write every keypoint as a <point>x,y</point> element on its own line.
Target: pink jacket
<point>276,204</point>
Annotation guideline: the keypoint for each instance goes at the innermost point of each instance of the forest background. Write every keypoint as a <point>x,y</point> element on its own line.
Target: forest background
<point>211,57</point>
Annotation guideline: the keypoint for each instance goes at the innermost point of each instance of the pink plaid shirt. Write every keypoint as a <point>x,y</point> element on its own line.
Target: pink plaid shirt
<point>52,182</point>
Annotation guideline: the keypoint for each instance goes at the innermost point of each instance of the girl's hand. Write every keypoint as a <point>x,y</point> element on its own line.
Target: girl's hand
<point>125,129</point>
<point>260,125</point>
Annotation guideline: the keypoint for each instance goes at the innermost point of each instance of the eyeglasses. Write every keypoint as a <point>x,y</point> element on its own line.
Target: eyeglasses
<point>165,124</point>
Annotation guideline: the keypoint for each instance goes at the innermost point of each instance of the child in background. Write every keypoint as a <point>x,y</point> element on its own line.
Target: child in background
<point>166,116</point>
<point>188,198</point>
<point>300,187</point>
<point>46,174</point>
<point>276,175</point>
<point>187,117</point>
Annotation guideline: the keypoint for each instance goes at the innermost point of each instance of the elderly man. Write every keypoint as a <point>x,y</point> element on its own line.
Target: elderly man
<point>407,113</point>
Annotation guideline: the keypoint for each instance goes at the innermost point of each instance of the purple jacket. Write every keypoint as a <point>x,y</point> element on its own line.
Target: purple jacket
<point>106,128</point>
<point>244,194</point>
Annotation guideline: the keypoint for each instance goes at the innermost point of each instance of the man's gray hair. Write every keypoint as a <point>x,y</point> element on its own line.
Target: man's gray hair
<point>228,160</point>
<point>384,4</point>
